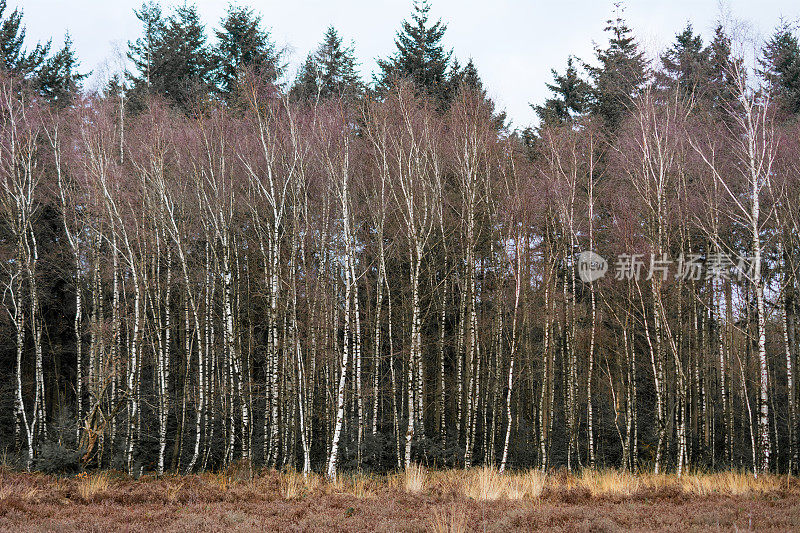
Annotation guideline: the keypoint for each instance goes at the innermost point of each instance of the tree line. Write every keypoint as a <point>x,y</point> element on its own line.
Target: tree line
<point>201,265</point>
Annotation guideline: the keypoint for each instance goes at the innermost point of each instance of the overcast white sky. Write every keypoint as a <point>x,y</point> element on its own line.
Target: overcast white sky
<point>514,43</point>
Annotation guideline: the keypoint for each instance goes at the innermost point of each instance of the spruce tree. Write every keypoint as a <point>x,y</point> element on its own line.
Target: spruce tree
<point>420,56</point>
<point>621,73</point>
<point>686,65</point>
<point>243,44</point>
<point>188,63</point>
<point>780,68</point>
<point>143,52</point>
<point>171,57</point>
<point>58,79</point>
<point>14,58</point>
<point>52,77</point>
<point>722,68</point>
<point>468,78</point>
<point>330,71</point>
<point>570,95</point>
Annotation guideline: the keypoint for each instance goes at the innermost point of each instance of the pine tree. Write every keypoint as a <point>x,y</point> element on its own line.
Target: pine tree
<point>686,65</point>
<point>621,73</point>
<point>780,68</point>
<point>308,83</point>
<point>570,97</point>
<point>114,86</point>
<point>329,71</point>
<point>722,68</point>
<point>188,63</point>
<point>468,78</point>
<point>14,58</point>
<point>143,53</point>
<point>420,56</point>
<point>171,57</point>
<point>242,44</point>
<point>58,79</point>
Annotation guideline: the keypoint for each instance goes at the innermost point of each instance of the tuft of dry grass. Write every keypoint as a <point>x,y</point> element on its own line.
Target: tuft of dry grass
<point>6,462</point>
<point>415,478</point>
<point>240,470</point>
<point>173,491</point>
<point>22,491</point>
<point>31,501</point>
<point>91,485</point>
<point>363,486</point>
<point>313,482</point>
<point>295,485</point>
<point>731,483</point>
<point>488,484</point>
<point>604,483</point>
<point>452,520</point>
<point>220,480</point>
<point>292,485</point>
<point>485,484</point>
<point>657,483</point>
<point>358,484</point>
<point>456,486</point>
<point>534,482</point>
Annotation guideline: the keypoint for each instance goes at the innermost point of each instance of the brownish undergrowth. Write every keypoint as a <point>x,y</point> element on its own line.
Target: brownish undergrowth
<point>420,500</point>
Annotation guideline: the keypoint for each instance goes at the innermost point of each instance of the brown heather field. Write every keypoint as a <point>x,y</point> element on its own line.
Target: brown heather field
<point>475,500</point>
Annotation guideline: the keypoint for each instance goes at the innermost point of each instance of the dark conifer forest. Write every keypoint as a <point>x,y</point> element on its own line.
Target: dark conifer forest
<point>208,261</point>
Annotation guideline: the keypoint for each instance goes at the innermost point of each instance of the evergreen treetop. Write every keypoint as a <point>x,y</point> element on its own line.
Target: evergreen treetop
<point>780,67</point>
<point>420,55</point>
<point>58,79</point>
<point>329,71</point>
<point>686,64</point>
<point>14,58</point>
<point>621,72</point>
<point>570,96</point>
<point>171,57</point>
<point>242,43</point>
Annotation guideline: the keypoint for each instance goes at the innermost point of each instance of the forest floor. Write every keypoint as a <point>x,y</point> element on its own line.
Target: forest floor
<point>476,500</point>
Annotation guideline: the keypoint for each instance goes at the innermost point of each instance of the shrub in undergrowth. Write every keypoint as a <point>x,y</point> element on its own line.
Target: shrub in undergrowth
<point>54,458</point>
<point>441,454</point>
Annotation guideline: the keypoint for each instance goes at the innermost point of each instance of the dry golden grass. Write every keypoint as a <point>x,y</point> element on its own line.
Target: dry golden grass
<point>17,490</point>
<point>488,484</point>
<point>525,501</point>
<point>657,482</point>
<point>219,480</point>
<point>415,478</point>
<point>604,483</point>
<point>732,483</point>
<point>534,482</point>
<point>338,484</point>
<point>314,482</point>
<point>485,484</point>
<point>5,460</point>
<point>476,485</point>
<point>358,484</point>
<point>173,491</point>
<point>452,520</point>
<point>292,485</point>
<point>364,486</point>
<point>91,485</point>
<point>480,483</point>
<point>296,485</point>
